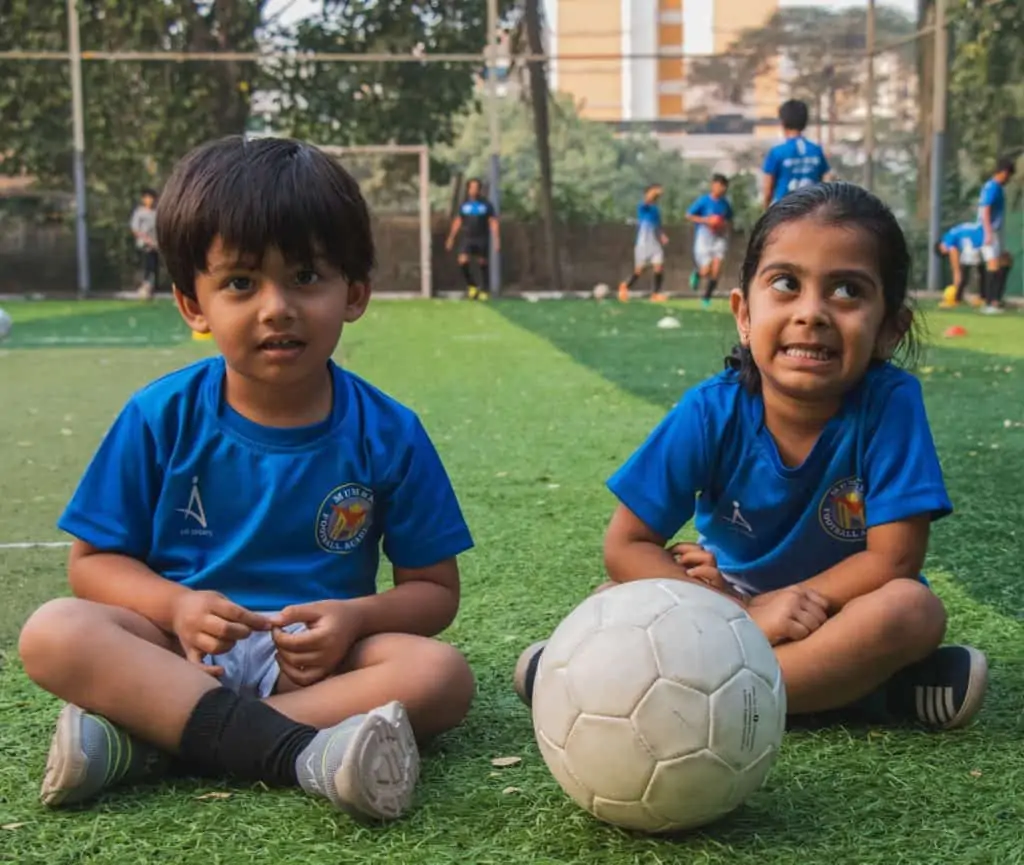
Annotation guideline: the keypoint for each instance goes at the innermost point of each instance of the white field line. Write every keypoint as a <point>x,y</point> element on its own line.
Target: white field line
<point>33,545</point>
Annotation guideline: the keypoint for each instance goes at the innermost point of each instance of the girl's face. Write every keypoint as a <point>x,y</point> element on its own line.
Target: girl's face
<point>814,310</point>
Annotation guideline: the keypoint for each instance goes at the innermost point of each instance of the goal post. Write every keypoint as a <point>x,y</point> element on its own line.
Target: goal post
<point>422,153</point>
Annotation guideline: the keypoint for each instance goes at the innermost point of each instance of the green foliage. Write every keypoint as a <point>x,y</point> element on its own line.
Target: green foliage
<point>598,177</point>
<point>374,103</point>
<point>986,89</point>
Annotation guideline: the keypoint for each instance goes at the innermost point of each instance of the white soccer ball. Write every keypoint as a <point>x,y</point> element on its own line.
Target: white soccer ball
<point>659,705</point>
<point>5,324</point>
<point>601,291</point>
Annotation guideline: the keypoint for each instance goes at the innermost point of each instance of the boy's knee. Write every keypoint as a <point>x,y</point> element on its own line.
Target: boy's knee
<point>912,616</point>
<point>50,633</point>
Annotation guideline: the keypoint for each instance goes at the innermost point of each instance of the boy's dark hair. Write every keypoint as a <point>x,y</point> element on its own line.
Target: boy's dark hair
<point>938,248</point>
<point>720,178</point>
<point>257,194</point>
<point>793,115</point>
<point>147,190</point>
<point>844,204</point>
<point>1007,164</point>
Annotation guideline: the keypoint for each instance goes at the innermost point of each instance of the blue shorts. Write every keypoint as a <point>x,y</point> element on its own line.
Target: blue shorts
<point>250,666</point>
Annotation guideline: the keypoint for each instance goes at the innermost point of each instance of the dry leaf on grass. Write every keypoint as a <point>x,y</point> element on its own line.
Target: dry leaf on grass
<point>214,796</point>
<point>975,773</point>
<point>502,762</point>
<point>12,826</point>
<point>508,790</point>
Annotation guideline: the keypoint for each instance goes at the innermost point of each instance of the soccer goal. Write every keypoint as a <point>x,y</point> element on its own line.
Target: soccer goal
<point>395,180</point>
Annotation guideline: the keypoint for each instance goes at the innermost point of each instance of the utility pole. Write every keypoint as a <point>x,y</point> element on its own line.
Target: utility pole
<point>941,76</point>
<point>78,125</point>
<point>494,276</point>
<point>869,128</point>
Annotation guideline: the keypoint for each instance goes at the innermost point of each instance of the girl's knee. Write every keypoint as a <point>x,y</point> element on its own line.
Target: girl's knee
<point>452,679</point>
<point>912,615</point>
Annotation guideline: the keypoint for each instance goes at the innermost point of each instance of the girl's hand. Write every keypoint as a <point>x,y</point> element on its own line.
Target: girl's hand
<point>788,615</point>
<point>700,564</point>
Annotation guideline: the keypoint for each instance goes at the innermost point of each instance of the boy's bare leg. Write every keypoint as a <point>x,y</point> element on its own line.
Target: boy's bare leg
<point>123,668</point>
<point>431,679</point>
<point>116,663</point>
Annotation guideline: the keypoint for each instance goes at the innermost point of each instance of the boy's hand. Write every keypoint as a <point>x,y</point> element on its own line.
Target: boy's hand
<point>207,623</point>
<point>788,615</point>
<point>332,627</point>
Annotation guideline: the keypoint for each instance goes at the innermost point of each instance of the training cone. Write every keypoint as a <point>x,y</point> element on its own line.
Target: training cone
<point>954,331</point>
<point>201,337</point>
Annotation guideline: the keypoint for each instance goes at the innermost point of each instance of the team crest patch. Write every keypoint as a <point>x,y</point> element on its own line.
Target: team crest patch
<point>842,512</point>
<point>344,518</point>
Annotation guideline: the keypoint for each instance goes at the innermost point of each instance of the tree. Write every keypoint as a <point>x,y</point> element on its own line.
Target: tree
<point>375,103</point>
<point>139,117</point>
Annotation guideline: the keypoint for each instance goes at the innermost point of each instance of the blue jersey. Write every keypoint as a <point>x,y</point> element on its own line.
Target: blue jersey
<point>708,205</point>
<point>994,198</point>
<point>963,236</point>
<point>795,163</point>
<point>771,525</point>
<point>648,217</point>
<point>267,516</point>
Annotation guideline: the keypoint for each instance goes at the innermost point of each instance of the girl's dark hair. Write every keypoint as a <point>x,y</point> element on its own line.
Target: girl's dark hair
<point>839,204</point>
<point>259,193</point>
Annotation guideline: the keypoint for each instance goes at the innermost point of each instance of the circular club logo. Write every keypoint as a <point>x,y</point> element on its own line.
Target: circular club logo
<point>344,518</point>
<point>842,512</point>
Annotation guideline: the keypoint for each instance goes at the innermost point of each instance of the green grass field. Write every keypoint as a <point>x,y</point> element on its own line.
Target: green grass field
<point>531,406</point>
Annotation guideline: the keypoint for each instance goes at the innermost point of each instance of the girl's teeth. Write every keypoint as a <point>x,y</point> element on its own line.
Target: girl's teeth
<point>807,352</point>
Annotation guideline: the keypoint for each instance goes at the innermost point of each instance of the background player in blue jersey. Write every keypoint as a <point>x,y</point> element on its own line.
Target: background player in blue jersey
<point>962,243</point>
<point>796,162</point>
<point>992,215</point>
<point>811,470</point>
<point>712,214</point>
<point>648,249</point>
<point>227,531</point>
<point>477,220</point>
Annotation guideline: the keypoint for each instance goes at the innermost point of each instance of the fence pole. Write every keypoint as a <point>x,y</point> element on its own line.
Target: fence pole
<point>941,77</point>
<point>78,124</point>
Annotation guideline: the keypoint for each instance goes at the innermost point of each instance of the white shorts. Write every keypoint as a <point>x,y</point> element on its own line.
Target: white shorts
<point>709,247</point>
<point>992,251</point>
<point>250,666</point>
<point>970,255</point>
<point>648,252</point>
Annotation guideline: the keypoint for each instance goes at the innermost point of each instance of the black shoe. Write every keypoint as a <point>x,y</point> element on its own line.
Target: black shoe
<point>942,692</point>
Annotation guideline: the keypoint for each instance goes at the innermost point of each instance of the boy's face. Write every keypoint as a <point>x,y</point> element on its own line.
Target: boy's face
<point>473,189</point>
<point>148,201</point>
<point>276,322</point>
<point>718,189</point>
<point>653,194</point>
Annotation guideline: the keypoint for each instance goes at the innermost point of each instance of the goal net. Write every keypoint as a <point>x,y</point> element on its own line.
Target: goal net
<point>395,180</point>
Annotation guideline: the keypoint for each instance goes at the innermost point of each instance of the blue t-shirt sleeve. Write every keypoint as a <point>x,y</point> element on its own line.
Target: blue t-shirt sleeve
<point>988,194</point>
<point>771,162</point>
<point>903,477</point>
<point>423,523</point>
<point>112,508</point>
<point>660,481</point>
<point>698,207</point>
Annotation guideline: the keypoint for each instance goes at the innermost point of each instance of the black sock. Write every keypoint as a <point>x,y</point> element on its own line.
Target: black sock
<point>710,290</point>
<point>658,277</point>
<point>244,738</point>
<point>467,274</point>
<point>1000,288</point>
<point>531,674</point>
<point>632,279</point>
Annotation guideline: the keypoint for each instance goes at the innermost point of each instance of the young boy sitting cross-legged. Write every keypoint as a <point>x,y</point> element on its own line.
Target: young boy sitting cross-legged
<point>227,531</point>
